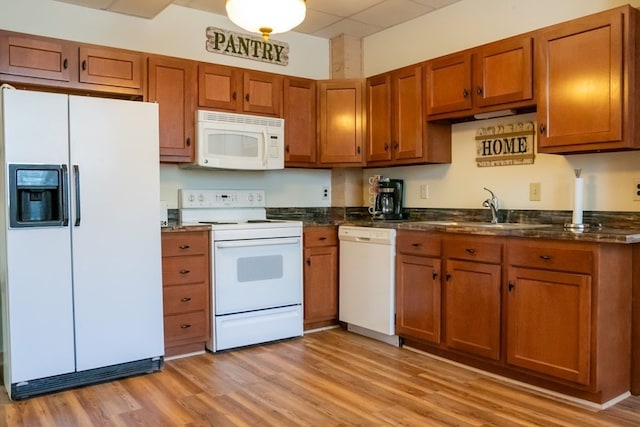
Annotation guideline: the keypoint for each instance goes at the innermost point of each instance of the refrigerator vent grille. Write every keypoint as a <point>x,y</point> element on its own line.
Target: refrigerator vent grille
<point>23,390</point>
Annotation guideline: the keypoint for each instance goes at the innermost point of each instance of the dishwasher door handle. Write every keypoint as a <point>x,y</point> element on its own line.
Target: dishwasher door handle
<point>363,239</point>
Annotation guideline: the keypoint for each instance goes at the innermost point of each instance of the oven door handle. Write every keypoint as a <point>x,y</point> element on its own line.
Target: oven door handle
<point>258,242</point>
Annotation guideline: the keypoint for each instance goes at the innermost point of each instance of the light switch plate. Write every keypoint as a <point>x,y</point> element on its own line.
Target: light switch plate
<point>535,191</point>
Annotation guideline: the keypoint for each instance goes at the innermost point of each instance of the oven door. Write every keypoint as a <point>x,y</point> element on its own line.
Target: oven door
<point>257,274</point>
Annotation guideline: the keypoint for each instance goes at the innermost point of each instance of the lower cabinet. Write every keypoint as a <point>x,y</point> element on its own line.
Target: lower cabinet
<point>185,272</point>
<point>418,285</point>
<point>320,276</point>
<point>555,314</point>
<point>473,281</point>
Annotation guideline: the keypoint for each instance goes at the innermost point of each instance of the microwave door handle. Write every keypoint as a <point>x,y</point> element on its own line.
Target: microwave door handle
<point>265,148</point>
<point>258,242</point>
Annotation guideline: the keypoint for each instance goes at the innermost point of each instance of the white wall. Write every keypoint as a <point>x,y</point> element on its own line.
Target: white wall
<point>608,176</point>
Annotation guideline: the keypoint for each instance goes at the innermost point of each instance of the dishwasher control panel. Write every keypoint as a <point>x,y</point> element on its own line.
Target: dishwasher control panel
<point>367,234</point>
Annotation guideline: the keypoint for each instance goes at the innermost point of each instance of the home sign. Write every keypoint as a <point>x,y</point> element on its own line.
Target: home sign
<point>244,46</point>
<point>510,144</point>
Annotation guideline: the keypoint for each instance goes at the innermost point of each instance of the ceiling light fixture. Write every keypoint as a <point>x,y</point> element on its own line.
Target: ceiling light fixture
<point>267,16</point>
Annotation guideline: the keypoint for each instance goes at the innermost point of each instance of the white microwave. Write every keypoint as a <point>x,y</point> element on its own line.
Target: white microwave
<point>239,141</point>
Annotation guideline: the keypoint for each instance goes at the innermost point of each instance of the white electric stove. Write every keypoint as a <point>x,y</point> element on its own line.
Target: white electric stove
<point>256,267</point>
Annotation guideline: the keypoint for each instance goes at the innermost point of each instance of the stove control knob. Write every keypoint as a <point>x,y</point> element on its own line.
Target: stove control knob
<point>259,197</point>
<point>201,197</point>
<point>250,197</point>
<point>191,197</point>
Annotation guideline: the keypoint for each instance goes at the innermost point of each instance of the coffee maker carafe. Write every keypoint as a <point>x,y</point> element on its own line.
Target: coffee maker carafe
<point>388,203</point>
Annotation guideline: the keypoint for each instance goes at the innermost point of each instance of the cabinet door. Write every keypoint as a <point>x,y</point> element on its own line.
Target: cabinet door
<point>111,67</point>
<point>448,84</point>
<point>300,122</point>
<point>219,87</point>
<point>341,116</point>
<point>549,323</point>
<point>472,307</point>
<point>503,72</point>
<point>407,121</point>
<point>379,118</point>
<point>581,89</point>
<point>320,284</point>
<point>262,93</point>
<point>418,297</point>
<point>39,57</point>
<point>172,85</point>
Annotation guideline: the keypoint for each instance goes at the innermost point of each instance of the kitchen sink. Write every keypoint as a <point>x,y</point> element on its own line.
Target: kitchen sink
<point>489,225</point>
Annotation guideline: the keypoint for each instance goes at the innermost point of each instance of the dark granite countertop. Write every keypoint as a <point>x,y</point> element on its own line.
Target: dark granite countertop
<point>177,228</point>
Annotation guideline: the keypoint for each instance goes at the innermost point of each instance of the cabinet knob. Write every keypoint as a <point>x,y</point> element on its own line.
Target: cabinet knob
<point>395,145</point>
<point>185,271</point>
<point>246,97</point>
<point>479,90</point>
<point>84,65</point>
<point>186,326</point>
<point>65,63</point>
<point>545,257</point>
<point>184,247</point>
<point>358,149</point>
<point>234,95</point>
<point>286,148</point>
<point>465,93</point>
<point>543,128</point>
<point>386,147</point>
<point>434,275</point>
<point>185,299</point>
<point>308,261</point>
<point>448,276</point>
<point>188,141</point>
<point>416,245</point>
<point>511,286</point>
<point>471,251</point>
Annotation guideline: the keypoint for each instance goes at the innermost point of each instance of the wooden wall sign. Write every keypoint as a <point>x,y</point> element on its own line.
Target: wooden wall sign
<point>245,46</point>
<point>511,144</point>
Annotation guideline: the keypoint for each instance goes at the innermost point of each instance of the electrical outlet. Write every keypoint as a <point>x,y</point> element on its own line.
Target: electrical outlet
<point>535,191</point>
<point>424,191</point>
<point>636,189</point>
<point>325,193</point>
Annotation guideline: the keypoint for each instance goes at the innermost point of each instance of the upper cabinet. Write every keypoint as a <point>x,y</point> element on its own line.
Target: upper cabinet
<point>492,77</point>
<point>299,112</point>
<point>41,61</point>
<point>341,116</point>
<point>172,84</point>
<point>397,132</point>
<point>587,85</point>
<point>238,90</point>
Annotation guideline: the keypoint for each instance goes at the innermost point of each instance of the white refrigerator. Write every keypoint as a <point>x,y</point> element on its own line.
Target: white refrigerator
<point>81,299</point>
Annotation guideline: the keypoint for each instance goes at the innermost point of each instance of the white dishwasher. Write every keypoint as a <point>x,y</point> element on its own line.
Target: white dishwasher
<point>367,281</point>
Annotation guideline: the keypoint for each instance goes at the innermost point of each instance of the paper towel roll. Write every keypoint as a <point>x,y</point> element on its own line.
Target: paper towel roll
<point>577,201</point>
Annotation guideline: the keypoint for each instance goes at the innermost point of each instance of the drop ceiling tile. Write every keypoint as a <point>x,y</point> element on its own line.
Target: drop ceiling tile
<point>217,7</point>
<point>391,12</point>
<point>315,21</point>
<point>95,4</point>
<point>348,27</point>
<point>436,4</point>
<point>343,8</point>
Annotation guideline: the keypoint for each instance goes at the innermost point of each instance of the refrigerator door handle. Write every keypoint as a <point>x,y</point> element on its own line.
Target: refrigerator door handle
<point>76,177</point>
<point>65,195</point>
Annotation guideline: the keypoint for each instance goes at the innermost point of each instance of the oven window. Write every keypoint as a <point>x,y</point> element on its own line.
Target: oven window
<point>252,269</point>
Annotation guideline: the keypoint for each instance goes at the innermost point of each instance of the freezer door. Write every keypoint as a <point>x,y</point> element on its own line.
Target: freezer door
<point>35,268</point>
<point>116,242</point>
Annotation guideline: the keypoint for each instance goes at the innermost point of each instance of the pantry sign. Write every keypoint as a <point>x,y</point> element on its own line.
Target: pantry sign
<point>502,145</point>
<point>245,46</point>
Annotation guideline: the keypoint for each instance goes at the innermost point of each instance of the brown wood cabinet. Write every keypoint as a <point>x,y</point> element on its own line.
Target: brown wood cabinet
<point>299,112</point>
<point>396,130</point>
<point>418,285</point>
<point>47,62</point>
<point>172,84</point>
<point>186,301</point>
<point>238,90</point>
<point>491,77</point>
<point>341,122</point>
<point>587,85</point>
<point>473,283</point>
<point>563,298</point>
<point>320,276</point>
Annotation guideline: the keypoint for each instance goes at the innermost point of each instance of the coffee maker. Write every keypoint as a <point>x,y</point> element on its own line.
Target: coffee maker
<point>388,201</point>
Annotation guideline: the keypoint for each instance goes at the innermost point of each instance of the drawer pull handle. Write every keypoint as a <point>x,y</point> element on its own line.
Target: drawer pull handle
<point>185,299</point>
<point>308,261</point>
<point>471,251</point>
<point>448,276</point>
<point>545,257</point>
<point>511,286</point>
<point>185,271</point>
<point>187,326</point>
<point>184,246</point>
<point>323,238</point>
<point>435,275</point>
<point>416,245</point>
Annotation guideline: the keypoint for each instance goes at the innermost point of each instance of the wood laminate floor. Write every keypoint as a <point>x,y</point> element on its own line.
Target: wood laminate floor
<point>329,378</point>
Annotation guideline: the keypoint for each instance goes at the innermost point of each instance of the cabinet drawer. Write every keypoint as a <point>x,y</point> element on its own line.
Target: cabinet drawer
<point>184,298</point>
<point>185,326</point>
<point>418,243</point>
<point>320,236</point>
<point>550,256</point>
<point>182,270</point>
<point>480,249</point>
<point>185,243</point>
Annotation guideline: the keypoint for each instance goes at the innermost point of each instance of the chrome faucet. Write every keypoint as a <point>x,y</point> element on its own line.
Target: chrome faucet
<point>492,204</point>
